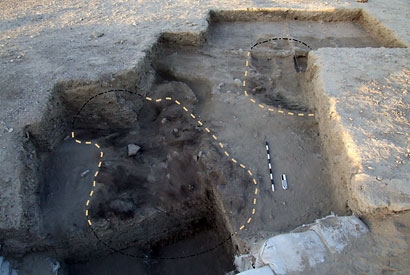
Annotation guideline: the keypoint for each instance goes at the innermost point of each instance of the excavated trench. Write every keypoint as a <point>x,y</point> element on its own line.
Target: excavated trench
<point>179,203</point>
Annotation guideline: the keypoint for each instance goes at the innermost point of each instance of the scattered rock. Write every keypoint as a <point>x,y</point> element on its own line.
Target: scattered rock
<point>200,154</point>
<point>175,130</point>
<point>218,88</point>
<point>237,82</point>
<point>122,206</point>
<point>55,265</point>
<point>83,174</point>
<point>243,262</point>
<point>97,35</point>
<point>133,149</point>
<point>164,120</point>
<point>257,89</point>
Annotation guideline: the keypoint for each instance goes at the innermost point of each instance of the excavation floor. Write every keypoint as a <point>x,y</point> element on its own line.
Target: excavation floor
<point>214,262</point>
<point>235,35</point>
<point>216,74</point>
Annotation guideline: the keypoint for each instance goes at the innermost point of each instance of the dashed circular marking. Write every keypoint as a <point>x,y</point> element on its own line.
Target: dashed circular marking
<point>200,123</point>
<point>279,38</point>
<point>262,106</point>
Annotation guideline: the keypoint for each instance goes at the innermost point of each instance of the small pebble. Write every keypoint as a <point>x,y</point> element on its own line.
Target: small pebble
<point>175,130</point>
<point>83,174</point>
<point>133,149</point>
<point>237,82</point>
<point>164,120</point>
<point>97,35</point>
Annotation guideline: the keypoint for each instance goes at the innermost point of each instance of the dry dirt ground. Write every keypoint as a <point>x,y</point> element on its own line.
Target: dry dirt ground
<point>353,155</point>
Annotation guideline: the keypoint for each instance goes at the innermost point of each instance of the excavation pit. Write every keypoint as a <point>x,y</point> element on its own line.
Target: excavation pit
<point>162,193</point>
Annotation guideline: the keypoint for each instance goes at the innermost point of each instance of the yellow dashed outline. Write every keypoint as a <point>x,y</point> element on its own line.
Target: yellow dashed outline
<point>261,105</point>
<point>206,129</point>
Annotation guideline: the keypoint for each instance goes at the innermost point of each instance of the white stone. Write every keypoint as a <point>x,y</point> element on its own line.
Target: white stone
<point>237,82</point>
<point>243,262</point>
<point>258,271</point>
<point>293,252</point>
<point>83,174</point>
<point>338,232</point>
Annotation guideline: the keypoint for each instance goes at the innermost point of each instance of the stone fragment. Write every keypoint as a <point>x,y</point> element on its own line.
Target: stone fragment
<point>97,35</point>
<point>237,82</point>
<point>243,262</point>
<point>83,174</point>
<point>133,149</point>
